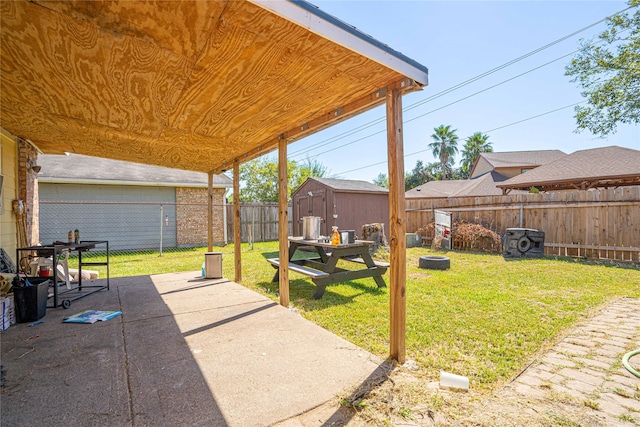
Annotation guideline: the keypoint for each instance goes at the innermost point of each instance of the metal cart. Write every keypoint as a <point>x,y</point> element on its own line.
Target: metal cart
<point>76,290</point>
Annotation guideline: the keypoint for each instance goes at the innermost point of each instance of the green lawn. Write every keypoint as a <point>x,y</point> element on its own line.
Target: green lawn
<point>485,318</point>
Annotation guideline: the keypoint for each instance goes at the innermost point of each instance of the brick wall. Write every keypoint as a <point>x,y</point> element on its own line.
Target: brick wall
<point>191,216</point>
<point>28,189</point>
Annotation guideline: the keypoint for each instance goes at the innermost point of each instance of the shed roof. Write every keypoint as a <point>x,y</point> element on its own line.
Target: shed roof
<point>194,85</point>
<point>349,185</point>
<point>80,169</point>
<point>598,167</point>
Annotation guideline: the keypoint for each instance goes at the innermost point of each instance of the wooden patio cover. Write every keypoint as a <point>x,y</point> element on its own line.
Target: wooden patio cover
<point>195,85</point>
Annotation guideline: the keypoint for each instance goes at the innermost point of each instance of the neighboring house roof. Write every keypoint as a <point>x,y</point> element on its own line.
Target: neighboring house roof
<point>522,158</point>
<point>599,167</point>
<point>514,159</point>
<point>435,189</point>
<point>349,185</point>
<point>79,169</point>
<point>484,185</point>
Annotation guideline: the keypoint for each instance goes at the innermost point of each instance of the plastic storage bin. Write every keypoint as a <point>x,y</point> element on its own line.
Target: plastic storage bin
<point>31,301</point>
<point>213,265</point>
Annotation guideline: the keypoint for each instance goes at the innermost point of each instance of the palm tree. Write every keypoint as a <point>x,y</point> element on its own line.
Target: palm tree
<point>474,145</point>
<point>444,146</point>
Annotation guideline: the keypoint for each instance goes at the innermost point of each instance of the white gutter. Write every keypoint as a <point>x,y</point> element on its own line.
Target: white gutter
<point>58,180</point>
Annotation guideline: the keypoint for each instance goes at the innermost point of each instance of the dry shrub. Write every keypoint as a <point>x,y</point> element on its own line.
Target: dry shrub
<point>475,237</point>
<point>428,230</point>
<point>467,236</point>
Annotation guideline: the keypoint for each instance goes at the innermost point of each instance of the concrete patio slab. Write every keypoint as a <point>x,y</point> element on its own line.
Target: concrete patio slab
<point>186,351</point>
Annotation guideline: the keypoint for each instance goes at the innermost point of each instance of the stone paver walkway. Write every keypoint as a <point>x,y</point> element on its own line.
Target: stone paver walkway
<point>581,381</point>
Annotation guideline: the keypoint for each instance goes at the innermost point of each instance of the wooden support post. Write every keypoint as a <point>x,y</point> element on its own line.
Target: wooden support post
<point>210,213</point>
<point>283,222</point>
<point>237,238</point>
<point>397,227</point>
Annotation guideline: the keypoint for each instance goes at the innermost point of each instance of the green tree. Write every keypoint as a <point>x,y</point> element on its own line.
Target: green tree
<point>259,178</point>
<point>474,145</point>
<point>381,180</point>
<point>444,147</point>
<point>312,168</point>
<point>608,71</point>
<point>458,173</point>
<point>420,174</point>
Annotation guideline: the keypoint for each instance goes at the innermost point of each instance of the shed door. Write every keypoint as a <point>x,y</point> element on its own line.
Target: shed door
<point>302,205</point>
<point>318,206</point>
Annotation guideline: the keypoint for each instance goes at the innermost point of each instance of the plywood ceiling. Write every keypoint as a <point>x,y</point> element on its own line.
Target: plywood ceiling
<point>194,85</point>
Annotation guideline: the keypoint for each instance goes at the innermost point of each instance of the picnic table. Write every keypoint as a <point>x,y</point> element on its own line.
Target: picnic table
<point>323,268</point>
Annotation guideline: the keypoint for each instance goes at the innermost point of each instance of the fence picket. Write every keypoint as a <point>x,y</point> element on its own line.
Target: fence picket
<point>596,223</point>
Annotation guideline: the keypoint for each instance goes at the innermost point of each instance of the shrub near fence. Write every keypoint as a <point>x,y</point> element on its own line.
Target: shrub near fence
<point>596,224</point>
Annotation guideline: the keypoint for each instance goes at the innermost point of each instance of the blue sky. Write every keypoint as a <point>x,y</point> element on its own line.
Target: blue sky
<point>457,41</point>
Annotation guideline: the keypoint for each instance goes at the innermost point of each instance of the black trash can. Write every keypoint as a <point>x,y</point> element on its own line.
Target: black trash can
<point>31,301</point>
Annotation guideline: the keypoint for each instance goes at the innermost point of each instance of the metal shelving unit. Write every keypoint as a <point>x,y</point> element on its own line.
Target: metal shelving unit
<point>78,290</point>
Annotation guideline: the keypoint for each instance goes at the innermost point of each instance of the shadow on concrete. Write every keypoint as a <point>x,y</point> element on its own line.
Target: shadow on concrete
<point>229,319</point>
<point>189,288</point>
<point>181,353</point>
<point>130,370</point>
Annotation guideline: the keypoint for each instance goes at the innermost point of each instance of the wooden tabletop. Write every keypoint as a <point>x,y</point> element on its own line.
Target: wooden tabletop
<point>315,242</point>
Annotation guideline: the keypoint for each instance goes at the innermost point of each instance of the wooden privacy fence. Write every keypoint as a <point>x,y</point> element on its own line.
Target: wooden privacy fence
<point>596,224</point>
<point>258,222</point>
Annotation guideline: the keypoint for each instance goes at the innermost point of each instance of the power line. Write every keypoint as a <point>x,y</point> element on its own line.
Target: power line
<point>439,108</point>
<point>490,87</point>
<point>513,61</point>
<point>442,107</point>
<point>335,138</point>
<point>487,131</point>
<point>535,117</point>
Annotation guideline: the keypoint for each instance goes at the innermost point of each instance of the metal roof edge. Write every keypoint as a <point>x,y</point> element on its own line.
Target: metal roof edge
<point>317,21</point>
<point>58,180</point>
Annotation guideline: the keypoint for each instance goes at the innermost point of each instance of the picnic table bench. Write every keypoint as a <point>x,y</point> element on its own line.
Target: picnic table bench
<point>311,272</point>
<point>323,269</point>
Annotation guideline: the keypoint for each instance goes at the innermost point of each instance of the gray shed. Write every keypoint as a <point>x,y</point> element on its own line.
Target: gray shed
<point>349,204</point>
